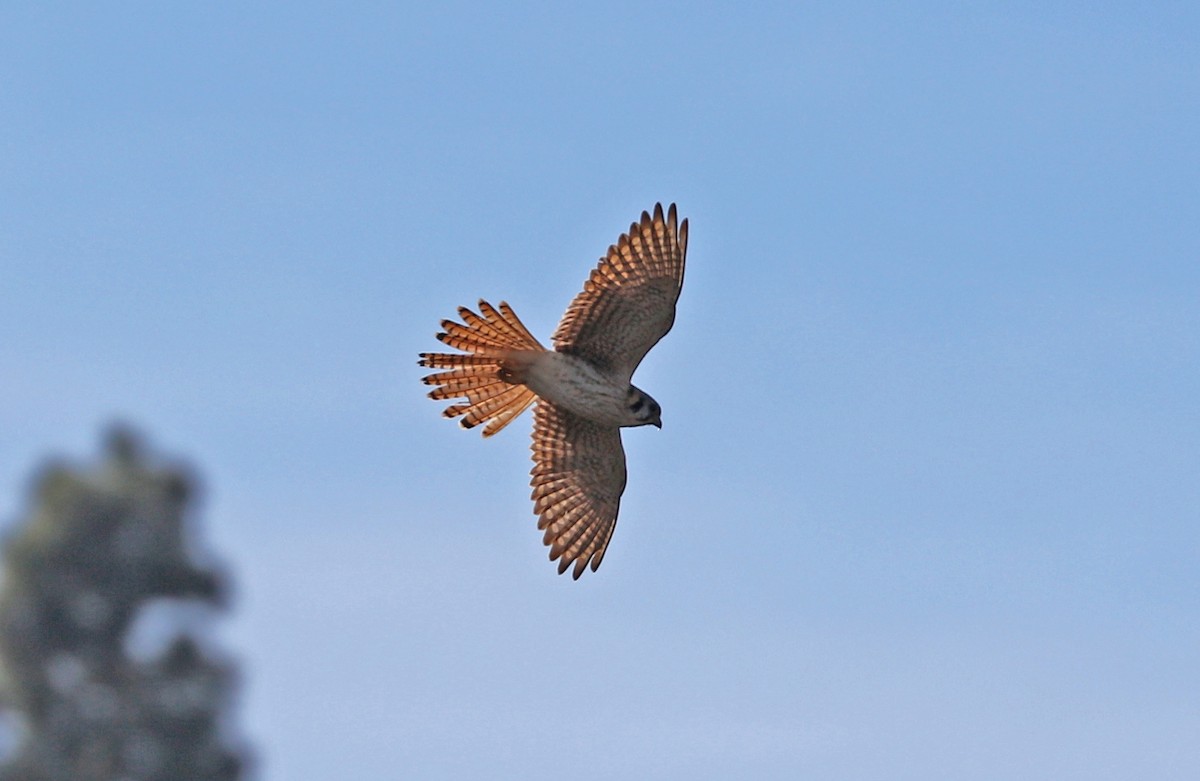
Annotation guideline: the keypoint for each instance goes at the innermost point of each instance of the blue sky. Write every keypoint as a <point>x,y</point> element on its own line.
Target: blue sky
<point>925,503</point>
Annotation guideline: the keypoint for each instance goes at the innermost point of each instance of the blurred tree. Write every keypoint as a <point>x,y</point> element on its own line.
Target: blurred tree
<point>98,569</point>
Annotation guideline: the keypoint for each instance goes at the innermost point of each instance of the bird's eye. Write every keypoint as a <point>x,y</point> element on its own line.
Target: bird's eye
<point>636,407</point>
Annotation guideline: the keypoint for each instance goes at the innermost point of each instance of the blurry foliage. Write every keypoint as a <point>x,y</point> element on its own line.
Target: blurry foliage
<point>98,555</point>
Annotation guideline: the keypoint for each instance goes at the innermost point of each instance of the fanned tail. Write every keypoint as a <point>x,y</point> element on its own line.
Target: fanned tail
<point>483,374</point>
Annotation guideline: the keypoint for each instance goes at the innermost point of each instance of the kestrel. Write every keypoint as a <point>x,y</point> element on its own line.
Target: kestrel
<point>582,387</point>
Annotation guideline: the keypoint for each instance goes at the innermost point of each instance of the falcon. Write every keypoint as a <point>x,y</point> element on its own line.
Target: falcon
<point>582,387</point>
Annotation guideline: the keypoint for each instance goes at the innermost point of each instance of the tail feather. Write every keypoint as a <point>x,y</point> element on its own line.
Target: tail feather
<point>491,324</point>
<point>460,338</point>
<point>506,404</point>
<point>451,361</point>
<point>508,322</point>
<point>470,387</point>
<point>479,374</point>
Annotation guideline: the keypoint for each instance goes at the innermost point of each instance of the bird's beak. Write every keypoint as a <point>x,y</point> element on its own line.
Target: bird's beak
<point>658,423</point>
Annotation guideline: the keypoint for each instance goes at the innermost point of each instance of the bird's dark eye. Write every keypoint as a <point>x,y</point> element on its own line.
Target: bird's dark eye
<point>636,407</point>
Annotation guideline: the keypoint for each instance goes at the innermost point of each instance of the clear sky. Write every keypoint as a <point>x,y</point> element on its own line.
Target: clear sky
<point>926,503</point>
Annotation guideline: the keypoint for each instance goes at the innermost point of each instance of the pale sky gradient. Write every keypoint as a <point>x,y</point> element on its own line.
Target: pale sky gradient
<point>926,503</point>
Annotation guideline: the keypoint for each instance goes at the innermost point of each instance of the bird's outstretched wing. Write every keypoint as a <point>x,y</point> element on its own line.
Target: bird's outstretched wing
<point>628,302</point>
<point>578,478</point>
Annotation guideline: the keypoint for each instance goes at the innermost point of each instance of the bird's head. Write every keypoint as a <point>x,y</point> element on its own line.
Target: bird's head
<point>643,410</point>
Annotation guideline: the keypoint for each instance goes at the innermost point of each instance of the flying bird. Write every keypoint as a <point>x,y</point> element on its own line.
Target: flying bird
<point>582,387</point>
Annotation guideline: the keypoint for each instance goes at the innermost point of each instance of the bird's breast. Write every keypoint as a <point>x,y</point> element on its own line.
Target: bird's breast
<point>572,383</point>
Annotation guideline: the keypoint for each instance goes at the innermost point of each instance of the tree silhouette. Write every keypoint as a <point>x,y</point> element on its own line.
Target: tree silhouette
<point>99,566</point>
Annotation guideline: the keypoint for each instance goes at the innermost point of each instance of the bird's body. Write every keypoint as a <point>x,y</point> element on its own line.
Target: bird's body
<point>574,384</point>
<point>582,387</point>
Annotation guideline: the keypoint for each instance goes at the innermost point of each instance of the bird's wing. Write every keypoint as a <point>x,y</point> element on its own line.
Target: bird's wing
<point>578,478</point>
<point>628,302</point>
